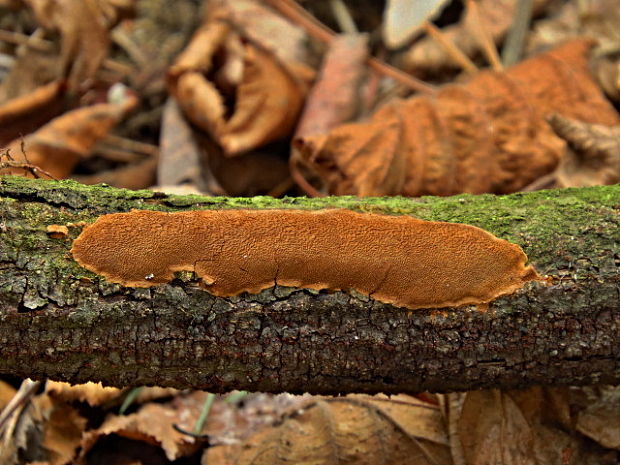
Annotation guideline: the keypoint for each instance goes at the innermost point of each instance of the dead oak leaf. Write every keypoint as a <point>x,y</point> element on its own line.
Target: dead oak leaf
<point>57,146</point>
<point>355,429</point>
<point>247,99</point>
<point>488,135</point>
<point>593,155</point>
<point>84,28</point>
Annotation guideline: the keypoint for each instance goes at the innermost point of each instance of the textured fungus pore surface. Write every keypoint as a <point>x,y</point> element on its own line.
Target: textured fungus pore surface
<point>395,259</point>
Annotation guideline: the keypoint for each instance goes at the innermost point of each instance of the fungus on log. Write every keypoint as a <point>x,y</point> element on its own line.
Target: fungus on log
<point>399,260</point>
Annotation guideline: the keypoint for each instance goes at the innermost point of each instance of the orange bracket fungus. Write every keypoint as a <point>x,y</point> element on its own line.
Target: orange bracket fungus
<point>398,260</point>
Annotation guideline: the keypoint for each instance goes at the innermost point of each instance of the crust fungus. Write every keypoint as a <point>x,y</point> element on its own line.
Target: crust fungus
<point>398,260</point>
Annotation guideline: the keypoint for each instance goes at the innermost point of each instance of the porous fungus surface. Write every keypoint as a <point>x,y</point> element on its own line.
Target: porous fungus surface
<point>399,260</point>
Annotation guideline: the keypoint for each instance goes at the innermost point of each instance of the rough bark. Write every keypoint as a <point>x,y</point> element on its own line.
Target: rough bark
<point>60,321</point>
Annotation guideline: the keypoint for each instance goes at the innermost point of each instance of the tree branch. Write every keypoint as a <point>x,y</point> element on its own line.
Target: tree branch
<point>60,321</point>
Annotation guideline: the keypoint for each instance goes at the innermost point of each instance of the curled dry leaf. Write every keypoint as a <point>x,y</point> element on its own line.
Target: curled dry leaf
<point>489,135</point>
<point>241,94</point>
<point>600,420</point>
<point>593,156</point>
<point>63,433</point>
<point>154,424</point>
<point>355,429</point>
<point>57,146</point>
<point>84,27</point>
<point>21,115</point>
<point>532,426</point>
<point>94,394</point>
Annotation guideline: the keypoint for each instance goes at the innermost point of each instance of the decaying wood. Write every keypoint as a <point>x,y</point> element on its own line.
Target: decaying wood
<point>60,321</point>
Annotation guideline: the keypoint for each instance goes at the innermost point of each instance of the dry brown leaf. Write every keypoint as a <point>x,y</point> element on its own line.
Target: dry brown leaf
<point>63,433</point>
<point>84,27</point>
<point>593,156</point>
<point>356,429</point>
<point>22,115</point>
<point>180,160</point>
<point>334,97</point>
<point>594,18</point>
<point>153,424</point>
<point>22,441</point>
<point>520,427</point>
<point>249,98</point>
<point>428,56</point>
<point>32,70</point>
<point>135,176</point>
<point>601,419</point>
<point>94,394</point>
<point>403,19</point>
<point>57,146</point>
<point>6,394</point>
<point>489,135</point>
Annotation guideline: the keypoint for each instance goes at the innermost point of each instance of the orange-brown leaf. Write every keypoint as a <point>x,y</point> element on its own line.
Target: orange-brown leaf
<point>250,98</point>
<point>489,135</point>
<point>57,146</point>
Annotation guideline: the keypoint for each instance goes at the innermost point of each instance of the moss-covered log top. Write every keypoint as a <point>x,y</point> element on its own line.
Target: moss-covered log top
<point>62,321</point>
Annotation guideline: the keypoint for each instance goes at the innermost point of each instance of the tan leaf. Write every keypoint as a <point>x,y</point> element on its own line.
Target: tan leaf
<point>153,424</point>
<point>6,394</point>
<point>247,99</point>
<point>427,55</point>
<point>84,27</point>
<point>601,419</point>
<point>21,115</point>
<point>94,394</point>
<point>57,146</point>
<point>63,434</point>
<point>520,427</point>
<point>593,156</point>
<point>489,135</point>
<point>357,429</point>
<point>404,18</point>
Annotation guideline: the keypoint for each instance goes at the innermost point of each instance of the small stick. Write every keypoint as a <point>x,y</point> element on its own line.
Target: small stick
<point>513,48</point>
<point>480,32</point>
<point>455,53</point>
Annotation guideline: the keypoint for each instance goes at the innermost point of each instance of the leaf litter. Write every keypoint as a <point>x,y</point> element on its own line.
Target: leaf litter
<point>250,92</point>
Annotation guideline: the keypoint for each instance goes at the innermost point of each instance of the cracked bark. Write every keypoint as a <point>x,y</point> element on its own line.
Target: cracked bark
<point>60,321</point>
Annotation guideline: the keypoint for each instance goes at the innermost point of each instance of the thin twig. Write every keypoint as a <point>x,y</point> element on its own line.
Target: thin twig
<point>23,395</point>
<point>455,53</point>
<point>343,16</point>
<point>480,30</point>
<point>513,48</point>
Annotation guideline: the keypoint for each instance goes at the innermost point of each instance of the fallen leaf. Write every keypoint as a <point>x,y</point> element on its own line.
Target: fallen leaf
<point>6,394</point>
<point>21,115</point>
<point>57,146</point>
<point>63,433</point>
<point>84,28</point>
<point>403,19</point>
<point>248,98</point>
<point>520,427</point>
<point>489,135</point>
<point>593,155</point>
<point>428,56</point>
<point>94,394</point>
<point>181,159</point>
<point>601,419</point>
<point>355,429</point>
<point>153,424</point>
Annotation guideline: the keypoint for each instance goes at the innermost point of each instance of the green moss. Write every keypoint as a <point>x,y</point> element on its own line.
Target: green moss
<point>547,224</point>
